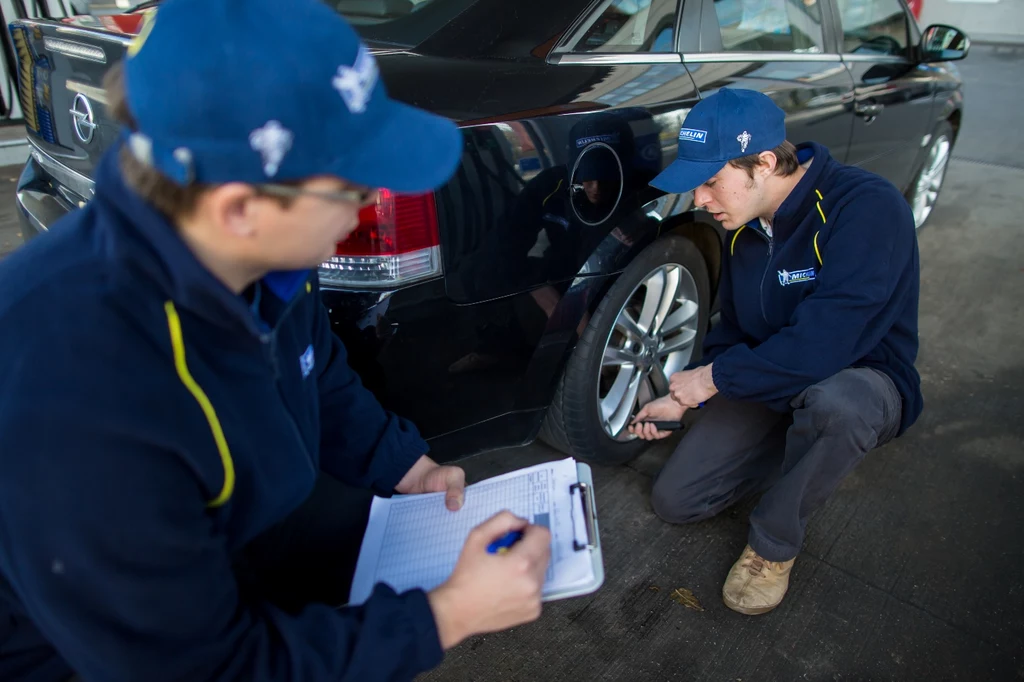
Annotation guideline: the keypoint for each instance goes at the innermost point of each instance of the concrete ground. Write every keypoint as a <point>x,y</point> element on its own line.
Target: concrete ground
<point>912,570</point>
<point>10,231</point>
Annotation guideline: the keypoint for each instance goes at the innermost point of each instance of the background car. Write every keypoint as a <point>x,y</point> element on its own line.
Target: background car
<point>547,288</point>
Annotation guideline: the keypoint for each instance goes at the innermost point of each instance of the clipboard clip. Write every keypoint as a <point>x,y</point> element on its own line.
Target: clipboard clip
<point>588,517</point>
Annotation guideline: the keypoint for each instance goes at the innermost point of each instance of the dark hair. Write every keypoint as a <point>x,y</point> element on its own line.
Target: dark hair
<point>153,186</point>
<point>173,200</point>
<point>785,153</point>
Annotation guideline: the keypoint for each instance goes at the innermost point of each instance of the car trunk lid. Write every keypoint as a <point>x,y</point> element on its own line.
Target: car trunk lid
<point>60,84</point>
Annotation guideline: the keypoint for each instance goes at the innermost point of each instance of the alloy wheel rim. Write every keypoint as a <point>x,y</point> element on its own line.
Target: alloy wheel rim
<point>653,337</point>
<point>928,184</point>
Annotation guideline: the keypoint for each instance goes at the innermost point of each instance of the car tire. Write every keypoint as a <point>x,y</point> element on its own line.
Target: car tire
<point>924,190</point>
<point>583,420</point>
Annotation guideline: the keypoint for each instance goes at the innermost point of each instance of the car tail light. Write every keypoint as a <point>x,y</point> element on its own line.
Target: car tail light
<point>396,243</point>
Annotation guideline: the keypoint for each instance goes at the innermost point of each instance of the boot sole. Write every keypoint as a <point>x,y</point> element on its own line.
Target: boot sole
<point>749,610</point>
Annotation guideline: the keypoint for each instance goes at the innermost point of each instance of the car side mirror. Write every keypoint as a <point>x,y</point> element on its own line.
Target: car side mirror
<point>941,43</point>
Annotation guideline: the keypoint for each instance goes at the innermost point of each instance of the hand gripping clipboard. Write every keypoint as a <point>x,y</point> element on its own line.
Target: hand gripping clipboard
<point>412,541</point>
<point>586,539</point>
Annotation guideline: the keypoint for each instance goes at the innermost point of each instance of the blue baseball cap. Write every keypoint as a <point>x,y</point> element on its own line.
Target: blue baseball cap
<point>260,91</point>
<point>730,124</point>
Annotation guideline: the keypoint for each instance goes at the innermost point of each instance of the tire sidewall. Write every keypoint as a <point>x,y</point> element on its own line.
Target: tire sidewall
<point>943,128</point>
<point>583,428</point>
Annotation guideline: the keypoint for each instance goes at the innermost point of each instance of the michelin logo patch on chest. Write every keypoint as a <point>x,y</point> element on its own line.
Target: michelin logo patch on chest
<point>795,277</point>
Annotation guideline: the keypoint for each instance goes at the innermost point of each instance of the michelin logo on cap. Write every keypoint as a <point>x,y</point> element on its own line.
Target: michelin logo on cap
<point>693,135</point>
<point>272,141</point>
<point>356,82</point>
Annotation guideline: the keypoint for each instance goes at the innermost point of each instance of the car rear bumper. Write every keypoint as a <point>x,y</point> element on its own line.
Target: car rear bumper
<point>41,199</point>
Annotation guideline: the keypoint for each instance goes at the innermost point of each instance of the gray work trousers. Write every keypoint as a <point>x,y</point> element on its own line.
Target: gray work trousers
<point>797,458</point>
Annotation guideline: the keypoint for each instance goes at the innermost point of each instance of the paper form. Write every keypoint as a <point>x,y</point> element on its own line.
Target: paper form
<point>414,540</point>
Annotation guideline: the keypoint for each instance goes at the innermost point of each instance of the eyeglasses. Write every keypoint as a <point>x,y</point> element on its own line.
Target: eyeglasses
<point>363,196</point>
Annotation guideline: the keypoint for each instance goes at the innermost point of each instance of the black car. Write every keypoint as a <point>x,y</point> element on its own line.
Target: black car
<point>547,288</point>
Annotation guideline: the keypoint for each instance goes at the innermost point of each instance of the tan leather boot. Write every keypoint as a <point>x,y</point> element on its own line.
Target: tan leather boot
<point>755,585</point>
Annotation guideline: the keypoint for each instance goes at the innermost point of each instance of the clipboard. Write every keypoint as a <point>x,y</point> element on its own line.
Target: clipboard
<point>413,541</point>
<point>582,493</point>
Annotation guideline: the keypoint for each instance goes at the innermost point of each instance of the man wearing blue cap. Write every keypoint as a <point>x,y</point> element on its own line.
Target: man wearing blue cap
<point>812,363</point>
<point>171,390</point>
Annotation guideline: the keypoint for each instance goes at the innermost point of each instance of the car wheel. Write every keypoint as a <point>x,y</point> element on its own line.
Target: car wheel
<point>650,324</point>
<point>925,190</point>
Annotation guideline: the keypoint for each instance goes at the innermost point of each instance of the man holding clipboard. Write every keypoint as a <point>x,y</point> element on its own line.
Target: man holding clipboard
<point>175,423</point>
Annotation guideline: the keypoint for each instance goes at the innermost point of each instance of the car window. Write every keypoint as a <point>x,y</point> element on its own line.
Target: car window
<point>631,26</point>
<point>874,27</point>
<point>770,25</point>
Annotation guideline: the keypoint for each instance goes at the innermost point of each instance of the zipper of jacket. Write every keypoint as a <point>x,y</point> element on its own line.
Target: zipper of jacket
<point>269,341</point>
<point>771,249</point>
<point>269,338</point>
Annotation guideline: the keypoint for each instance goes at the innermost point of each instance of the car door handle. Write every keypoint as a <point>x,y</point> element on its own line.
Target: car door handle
<point>868,111</point>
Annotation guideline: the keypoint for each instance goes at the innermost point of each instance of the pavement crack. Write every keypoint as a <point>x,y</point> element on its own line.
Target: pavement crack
<point>629,465</point>
<point>573,617</point>
<point>856,511</point>
<point>993,164</point>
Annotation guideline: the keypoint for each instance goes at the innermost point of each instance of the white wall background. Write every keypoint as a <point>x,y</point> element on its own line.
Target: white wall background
<point>987,20</point>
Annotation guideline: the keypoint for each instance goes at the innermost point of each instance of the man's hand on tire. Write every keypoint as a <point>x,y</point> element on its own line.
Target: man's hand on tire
<point>663,409</point>
<point>691,388</point>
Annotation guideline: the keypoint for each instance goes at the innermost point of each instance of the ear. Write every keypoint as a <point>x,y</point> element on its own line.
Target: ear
<point>768,164</point>
<point>231,208</point>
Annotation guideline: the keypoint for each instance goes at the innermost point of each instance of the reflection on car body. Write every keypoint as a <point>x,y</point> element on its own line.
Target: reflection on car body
<point>520,298</point>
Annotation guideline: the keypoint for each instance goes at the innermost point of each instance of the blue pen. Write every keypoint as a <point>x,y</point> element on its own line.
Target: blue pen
<point>501,545</point>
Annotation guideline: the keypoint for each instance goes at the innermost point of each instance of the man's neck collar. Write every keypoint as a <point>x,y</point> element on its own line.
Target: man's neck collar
<point>230,272</point>
<point>798,195</point>
<point>236,275</point>
<point>784,188</point>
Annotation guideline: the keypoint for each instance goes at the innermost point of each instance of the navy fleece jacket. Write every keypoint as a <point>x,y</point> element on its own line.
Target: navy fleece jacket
<point>834,286</point>
<point>150,426</point>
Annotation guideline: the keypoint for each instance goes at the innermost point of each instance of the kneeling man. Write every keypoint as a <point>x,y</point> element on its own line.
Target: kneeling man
<point>812,363</point>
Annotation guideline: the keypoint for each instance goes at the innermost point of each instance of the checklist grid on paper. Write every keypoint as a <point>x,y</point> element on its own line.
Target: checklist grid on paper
<point>422,528</point>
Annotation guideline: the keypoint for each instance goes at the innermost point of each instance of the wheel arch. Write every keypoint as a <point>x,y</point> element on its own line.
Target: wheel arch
<point>707,238</point>
<point>704,255</point>
<point>954,118</point>
<point>583,294</point>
